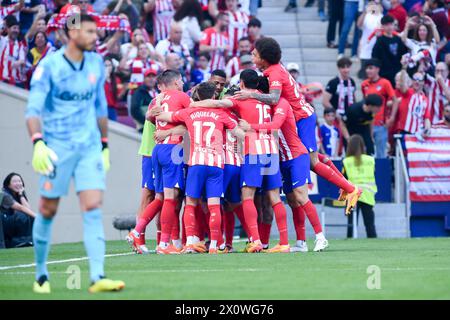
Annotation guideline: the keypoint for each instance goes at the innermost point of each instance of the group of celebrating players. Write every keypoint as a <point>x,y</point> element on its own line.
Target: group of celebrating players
<point>244,147</point>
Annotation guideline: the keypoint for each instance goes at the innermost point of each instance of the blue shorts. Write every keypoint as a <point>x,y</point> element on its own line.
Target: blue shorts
<point>167,160</point>
<point>295,173</point>
<point>231,183</point>
<point>306,129</point>
<point>148,179</point>
<point>85,165</point>
<point>204,179</point>
<point>261,171</point>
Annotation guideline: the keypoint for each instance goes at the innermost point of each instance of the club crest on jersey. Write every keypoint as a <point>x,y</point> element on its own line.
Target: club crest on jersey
<point>92,78</point>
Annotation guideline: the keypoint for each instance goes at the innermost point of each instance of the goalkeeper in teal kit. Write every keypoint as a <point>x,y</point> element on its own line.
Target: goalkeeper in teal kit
<point>67,121</point>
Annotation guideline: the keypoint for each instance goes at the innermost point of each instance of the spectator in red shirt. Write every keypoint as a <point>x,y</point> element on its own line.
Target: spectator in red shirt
<point>113,88</point>
<point>374,84</point>
<point>399,13</point>
<point>437,11</point>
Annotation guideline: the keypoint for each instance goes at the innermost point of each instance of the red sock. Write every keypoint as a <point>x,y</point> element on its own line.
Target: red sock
<point>313,217</point>
<point>190,221</point>
<point>280,217</point>
<point>206,218</point>
<point>264,232</point>
<point>168,218</point>
<point>200,217</point>
<point>329,163</point>
<point>299,222</point>
<point>148,214</point>
<point>229,227</point>
<point>240,214</point>
<point>158,237</point>
<point>327,173</point>
<point>176,227</point>
<point>215,222</point>
<point>251,218</point>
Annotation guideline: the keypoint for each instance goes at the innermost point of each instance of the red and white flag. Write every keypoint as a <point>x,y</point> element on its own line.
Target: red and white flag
<point>429,166</point>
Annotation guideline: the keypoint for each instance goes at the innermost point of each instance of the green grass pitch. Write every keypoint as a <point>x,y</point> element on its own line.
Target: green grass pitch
<point>409,269</point>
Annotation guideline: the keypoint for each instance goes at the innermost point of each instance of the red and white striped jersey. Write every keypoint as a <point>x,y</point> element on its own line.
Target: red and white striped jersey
<point>173,101</point>
<point>437,99</point>
<point>237,29</point>
<point>232,155</point>
<point>162,17</point>
<point>213,38</point>
<point>255,112</point>
<point>233,67</point>
<point>412,111</point>
<point>283,118</point>
<point>138,68</point>
<point>206,128</point>
<point>101,48</point>
<point>5,11</point>
<point>11,52</point>
<point>280,79</point>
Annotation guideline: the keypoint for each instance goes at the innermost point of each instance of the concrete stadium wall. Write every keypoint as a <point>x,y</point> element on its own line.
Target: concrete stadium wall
<point>123,180</point>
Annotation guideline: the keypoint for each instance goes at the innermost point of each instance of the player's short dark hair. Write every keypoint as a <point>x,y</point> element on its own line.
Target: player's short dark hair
<point>374,100</point>
<point>219,73</point>
<point>11,21</point>
<point>328,111</point>
<point>373,62</point>
<point>244,39</point>
<point>269,50</point>
<point>250,78</point>
<point>168,76</point>
<point>204,54</point>
<point>232,90</point>
<point>387,19</point>
<point>344,62</point>
<point>263,84</point>
<point>205,90</point>
<point>254,22</point>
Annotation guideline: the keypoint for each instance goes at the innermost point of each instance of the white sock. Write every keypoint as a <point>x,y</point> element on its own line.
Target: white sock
<point>189,240</point>
<point>213,244</point>
<point>177,243</point>
<point>163,245</point>
<point>195,239</point>
<point>265,245</point>
<point>320,236</point>
<point>300,243</point>
<point>222,246</point>
<point>136,234</point>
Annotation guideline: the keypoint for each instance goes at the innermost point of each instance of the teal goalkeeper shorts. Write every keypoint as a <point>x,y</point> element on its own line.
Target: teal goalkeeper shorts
<point>84,164</point>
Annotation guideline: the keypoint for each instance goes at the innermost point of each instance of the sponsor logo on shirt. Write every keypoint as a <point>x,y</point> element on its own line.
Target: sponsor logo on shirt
<point>276,83</point>
<point>72,96</point>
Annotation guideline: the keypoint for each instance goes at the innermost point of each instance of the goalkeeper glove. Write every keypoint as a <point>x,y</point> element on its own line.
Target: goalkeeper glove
<point>43,158</point>
<point>105,155</point>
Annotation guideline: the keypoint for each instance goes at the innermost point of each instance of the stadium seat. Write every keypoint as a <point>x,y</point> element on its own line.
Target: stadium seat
<point>335,204</point>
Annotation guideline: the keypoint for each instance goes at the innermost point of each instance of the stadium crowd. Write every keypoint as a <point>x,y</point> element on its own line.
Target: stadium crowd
<point>213,39</point>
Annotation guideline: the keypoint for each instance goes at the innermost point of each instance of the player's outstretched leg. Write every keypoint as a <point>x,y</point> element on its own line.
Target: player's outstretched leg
<point>94,242</point>
<point>134,237</point>
<point>326,172</point>
<point>42,234</point>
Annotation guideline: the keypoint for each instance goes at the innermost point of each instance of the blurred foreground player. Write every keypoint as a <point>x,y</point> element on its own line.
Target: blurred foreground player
<point>67,108</point>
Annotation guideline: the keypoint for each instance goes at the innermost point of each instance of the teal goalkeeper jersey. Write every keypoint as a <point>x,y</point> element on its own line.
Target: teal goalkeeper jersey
<point>69,97</point>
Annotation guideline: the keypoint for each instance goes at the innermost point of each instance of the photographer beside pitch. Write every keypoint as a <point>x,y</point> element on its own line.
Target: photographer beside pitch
<point>67,121</point>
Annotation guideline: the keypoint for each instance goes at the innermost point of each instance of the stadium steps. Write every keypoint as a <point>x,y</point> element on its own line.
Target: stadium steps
<point>302,37</point>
